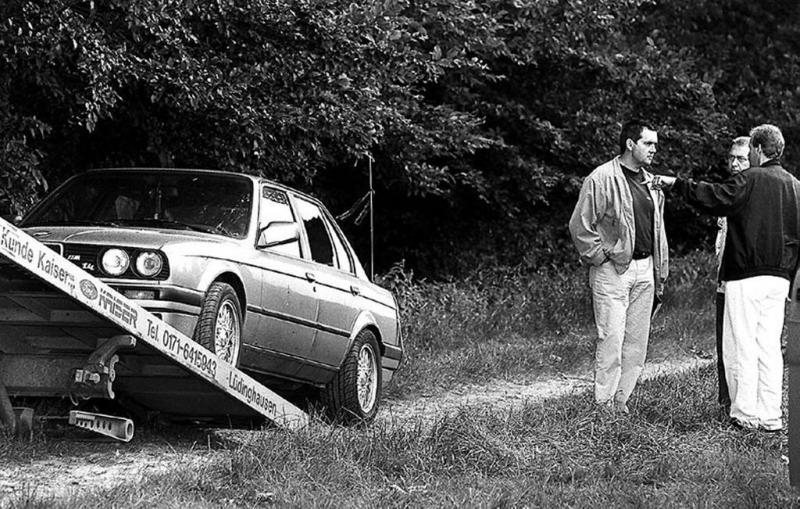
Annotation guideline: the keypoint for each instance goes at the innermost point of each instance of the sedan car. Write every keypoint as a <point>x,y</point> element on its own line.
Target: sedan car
<point>254,271</point>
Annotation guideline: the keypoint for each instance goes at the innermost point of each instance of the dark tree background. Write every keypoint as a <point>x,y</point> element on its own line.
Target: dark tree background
<point>481,117</point>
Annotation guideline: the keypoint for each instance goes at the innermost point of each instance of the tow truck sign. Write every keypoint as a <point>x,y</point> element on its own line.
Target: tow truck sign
<point>93,293</point>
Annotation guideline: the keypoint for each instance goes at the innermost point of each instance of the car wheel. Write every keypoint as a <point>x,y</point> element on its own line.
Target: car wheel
<point>354,393</point>
<point>219,327</point>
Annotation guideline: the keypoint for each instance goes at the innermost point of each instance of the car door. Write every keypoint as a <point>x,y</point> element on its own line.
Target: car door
<point>288,306</point>
<point>337,287</point>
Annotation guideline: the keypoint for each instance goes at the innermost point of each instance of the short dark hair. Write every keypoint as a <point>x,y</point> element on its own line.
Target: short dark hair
<point>770,138</point>
<point>632,129</point>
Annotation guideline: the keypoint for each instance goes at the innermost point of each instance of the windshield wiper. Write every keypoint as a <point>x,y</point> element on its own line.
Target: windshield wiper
<point>73,222</point>
<point>183,226</point>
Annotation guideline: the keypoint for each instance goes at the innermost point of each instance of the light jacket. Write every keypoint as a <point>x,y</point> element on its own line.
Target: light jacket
<point>719,249</point>
<point>602,225</point>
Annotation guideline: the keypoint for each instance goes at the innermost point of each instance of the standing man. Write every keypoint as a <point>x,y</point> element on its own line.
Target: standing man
<point>737,161</point>
<point>762,246</point>
<point>618,229</point>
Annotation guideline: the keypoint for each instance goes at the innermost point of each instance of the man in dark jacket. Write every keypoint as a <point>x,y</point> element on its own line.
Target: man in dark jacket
<point>762,246</point>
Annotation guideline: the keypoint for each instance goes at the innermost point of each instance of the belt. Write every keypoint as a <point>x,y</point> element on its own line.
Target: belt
<point>638,255</point>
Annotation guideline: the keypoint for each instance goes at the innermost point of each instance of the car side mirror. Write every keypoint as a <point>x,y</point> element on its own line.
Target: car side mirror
<point>278,233</point>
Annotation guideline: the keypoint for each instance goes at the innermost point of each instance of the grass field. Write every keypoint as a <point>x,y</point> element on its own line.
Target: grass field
<point>670,452</point>
<point>514,324</point>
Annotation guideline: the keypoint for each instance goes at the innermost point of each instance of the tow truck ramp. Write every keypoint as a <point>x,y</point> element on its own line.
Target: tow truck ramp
<point>96,376</point>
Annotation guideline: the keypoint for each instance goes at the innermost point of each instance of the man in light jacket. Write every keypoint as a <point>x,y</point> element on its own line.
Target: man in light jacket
<point>618,229</point>
<point>760,259</point>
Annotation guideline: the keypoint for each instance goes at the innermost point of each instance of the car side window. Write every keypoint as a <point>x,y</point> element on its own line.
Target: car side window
<point>319,237</point>
<point>275,208</point>
<point>341,252</point>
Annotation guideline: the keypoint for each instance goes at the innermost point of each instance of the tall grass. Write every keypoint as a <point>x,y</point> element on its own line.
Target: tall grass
<point>562,453</point>
<point>513,322</point>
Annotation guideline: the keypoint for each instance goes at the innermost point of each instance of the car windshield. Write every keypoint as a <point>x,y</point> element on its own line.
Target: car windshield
<point>185,201</point>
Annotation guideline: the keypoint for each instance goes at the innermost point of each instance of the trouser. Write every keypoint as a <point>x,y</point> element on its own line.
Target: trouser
<point>751,340</point>
<point>622,307</point>
<point>723,397</point>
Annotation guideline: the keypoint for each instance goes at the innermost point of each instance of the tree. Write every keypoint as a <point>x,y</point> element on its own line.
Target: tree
<point>481,117</point>
<point>283,89</point>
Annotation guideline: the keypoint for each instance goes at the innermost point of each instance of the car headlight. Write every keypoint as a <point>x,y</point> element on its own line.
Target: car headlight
<point>149,263</point>
<point>115,261</point>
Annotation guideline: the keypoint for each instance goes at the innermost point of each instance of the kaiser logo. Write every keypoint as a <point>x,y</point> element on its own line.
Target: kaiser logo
<point>88,289</point>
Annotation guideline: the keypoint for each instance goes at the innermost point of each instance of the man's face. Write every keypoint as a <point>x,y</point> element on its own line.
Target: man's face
<point>644,148</point>
<point>738,158</point>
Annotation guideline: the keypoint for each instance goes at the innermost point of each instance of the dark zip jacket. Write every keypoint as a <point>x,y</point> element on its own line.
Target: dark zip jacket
<point>762,205</point>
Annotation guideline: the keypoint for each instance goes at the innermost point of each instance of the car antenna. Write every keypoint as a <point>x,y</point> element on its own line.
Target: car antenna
<point>371,223</point>
<point>360,209</point>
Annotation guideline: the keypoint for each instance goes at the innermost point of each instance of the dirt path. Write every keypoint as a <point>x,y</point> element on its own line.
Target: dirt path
<point>501,395</point>
<point>72,468</point>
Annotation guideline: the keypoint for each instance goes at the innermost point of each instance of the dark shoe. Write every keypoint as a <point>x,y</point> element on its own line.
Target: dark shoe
<point>736,423</point>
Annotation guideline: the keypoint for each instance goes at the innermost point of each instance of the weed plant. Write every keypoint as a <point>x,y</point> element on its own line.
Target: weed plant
<point>518,322</point>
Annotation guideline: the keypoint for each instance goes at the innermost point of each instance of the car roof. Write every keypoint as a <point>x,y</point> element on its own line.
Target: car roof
<point>256,179</point>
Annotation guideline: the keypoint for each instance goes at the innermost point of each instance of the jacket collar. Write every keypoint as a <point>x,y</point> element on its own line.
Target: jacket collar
<point>648,177</point>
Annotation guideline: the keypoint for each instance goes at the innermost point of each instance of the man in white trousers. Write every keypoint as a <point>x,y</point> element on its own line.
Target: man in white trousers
<point>618,229</point>
<point>738,160</point>
<point>762,246</point>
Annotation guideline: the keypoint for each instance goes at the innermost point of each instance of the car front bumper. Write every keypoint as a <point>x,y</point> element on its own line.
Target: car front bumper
<point>177,306</point>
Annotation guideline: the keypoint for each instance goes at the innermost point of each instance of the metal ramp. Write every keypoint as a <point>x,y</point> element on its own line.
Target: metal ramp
<point>229,387</point>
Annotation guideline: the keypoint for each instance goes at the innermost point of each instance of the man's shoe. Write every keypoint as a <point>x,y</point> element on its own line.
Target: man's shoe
<point>736,423</point>
<point>769,429</point>
<point>621,408</point>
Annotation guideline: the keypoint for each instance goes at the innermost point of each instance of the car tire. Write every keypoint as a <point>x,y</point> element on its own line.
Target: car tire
<point>219,326</point>
<point>354,394</point>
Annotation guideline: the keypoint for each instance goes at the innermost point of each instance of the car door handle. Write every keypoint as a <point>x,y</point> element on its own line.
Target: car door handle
<point>355,290</point>
<point>311,277</point>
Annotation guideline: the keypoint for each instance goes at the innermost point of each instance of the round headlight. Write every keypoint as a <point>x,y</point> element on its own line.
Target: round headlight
<point>149,263</point>
<point>115,261</point>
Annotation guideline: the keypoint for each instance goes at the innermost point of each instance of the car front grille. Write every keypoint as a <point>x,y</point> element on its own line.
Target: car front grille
<point>87,257</point>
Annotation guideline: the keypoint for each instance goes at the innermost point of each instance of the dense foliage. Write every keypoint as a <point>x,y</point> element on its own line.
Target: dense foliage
<point>481,117</point>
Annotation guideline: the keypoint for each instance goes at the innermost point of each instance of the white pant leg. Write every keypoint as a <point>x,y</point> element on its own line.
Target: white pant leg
<point>749,341</point>
<point>739,350</point>
<point>610,302</point>
<point>770,357</point>
<point>637,327</point>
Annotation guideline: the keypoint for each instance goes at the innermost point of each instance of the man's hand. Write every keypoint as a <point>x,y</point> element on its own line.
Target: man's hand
<point>662,182</point>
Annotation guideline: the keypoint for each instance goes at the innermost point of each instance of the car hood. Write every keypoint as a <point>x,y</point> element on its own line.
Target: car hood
<point>149,238</point>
